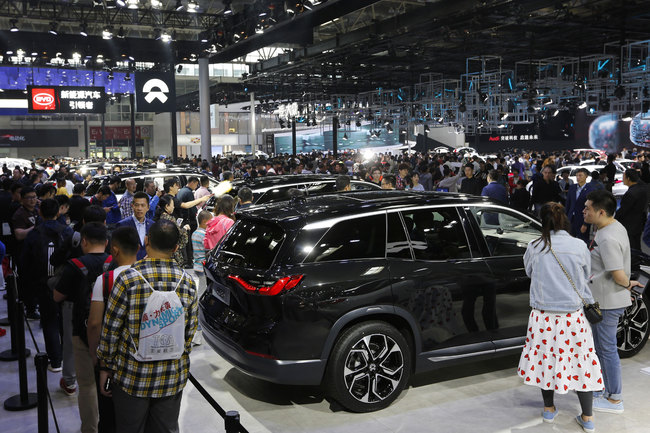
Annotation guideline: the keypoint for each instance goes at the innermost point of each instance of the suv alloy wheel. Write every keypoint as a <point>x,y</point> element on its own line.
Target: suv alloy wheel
<point>633,327</point>
<point>369,367</point>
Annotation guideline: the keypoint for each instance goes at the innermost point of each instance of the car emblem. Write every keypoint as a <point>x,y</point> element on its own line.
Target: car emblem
<point>161,89</point>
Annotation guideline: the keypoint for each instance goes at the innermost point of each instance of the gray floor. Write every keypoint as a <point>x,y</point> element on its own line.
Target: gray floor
<point>485,397</point>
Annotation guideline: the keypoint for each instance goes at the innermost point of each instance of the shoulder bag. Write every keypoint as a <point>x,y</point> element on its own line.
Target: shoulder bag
<point>592,311</point>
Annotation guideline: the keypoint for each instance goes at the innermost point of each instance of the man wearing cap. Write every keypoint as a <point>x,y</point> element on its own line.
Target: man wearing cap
<point>471,184</point>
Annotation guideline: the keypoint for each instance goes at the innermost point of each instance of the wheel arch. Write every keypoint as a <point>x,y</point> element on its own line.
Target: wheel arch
<point>395,316</point>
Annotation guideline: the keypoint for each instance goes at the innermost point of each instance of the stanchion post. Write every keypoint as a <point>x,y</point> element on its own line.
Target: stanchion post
<point>12,354</point>
<point>40,361</point>
<point>231,421</point>
<point>24,400</point>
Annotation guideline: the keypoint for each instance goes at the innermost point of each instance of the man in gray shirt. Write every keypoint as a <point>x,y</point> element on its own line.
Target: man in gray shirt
<point>610,285</point>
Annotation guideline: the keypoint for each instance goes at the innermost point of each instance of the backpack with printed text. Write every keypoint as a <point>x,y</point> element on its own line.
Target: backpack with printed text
<point>86,286</point>
<point>162,326</point>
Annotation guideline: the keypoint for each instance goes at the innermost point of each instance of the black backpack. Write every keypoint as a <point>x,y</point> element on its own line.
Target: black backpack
<point>87,283</point>
<point>48,243</point>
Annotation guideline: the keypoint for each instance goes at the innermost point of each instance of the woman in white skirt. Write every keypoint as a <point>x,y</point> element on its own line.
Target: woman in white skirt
<point>559,354</point>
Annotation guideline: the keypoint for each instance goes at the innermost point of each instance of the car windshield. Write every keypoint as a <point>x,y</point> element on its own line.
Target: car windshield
<point>251,244</point>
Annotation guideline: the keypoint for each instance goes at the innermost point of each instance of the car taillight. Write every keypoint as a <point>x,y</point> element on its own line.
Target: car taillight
<point>283,284</point>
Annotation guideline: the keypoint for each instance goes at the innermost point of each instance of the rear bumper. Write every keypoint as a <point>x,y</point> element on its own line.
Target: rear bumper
<point>293,372</point>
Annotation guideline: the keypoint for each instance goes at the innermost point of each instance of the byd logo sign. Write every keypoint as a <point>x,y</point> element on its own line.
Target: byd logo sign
<point>43,99</point>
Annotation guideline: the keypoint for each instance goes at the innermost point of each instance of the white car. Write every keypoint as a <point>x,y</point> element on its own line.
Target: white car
<point>466,151</point>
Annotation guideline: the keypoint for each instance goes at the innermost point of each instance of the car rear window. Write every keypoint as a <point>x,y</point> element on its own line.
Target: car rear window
<point>252,244</point>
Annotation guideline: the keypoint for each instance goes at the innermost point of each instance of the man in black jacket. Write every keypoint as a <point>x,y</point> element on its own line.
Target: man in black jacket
<point>634,205</point>
<point>471,184</point>
<point>545,189</point>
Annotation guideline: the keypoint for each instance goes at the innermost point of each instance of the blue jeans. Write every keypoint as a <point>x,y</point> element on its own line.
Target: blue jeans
<point>607,351</point>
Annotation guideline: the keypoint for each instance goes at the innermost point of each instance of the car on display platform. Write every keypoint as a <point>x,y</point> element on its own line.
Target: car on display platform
<point>158,176</point>
<point>271,189</point>
<point>358,291</point>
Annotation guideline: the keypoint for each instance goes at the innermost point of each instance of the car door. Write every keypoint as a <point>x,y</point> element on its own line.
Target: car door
<point>503,236</point>
<point>436,279</point>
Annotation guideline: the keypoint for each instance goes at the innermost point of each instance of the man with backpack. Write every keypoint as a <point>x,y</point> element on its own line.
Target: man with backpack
<point>76,285</point>
<point>38,248</point>
<point>147,359</point>
<point>124,249</point>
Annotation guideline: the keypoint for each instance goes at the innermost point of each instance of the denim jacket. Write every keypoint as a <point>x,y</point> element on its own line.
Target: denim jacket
<point>549,287</point>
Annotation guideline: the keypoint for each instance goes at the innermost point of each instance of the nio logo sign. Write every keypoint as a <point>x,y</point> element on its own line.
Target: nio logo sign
<point>43,99</point>
<point>155,89</point>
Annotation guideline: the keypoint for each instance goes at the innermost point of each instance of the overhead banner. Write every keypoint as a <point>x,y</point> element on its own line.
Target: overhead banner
<point>65,99</point>
<point>38,138</point>
<point>155,91</point>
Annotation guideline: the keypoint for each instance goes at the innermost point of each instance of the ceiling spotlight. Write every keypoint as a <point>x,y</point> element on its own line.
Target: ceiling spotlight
<point>120,3</point>
<point>192,6</point>
<point>127,77</point>
<point>426,129</point>
<point>53,26</point>
<point>227,10</point>
<point>132,4</point>
<point>504,116</point>
<point>627,117</point>
<point>110,4</point>
<point>203,37</point>
<point>179,5</point>
<point>156,4</point>
<point>259,29</point>
<point>14,28</point>
<point>107,33</point>
<point>462,107</point>
<point>100,59</point>
<point>98,3</point>
<point>110,75</point>
<point>345,136</point>
<point>83,30</point>
<point>582,105</point>
<point>120,33</point>
<point>556,112</point>
<point>165,37</point>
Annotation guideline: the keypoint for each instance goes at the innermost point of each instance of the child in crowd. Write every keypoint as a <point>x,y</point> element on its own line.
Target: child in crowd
<point>199,257</point>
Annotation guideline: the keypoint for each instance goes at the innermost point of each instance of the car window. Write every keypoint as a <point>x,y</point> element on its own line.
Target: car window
<point>362,186</point>
<point>252,244</point>
<point>506,233</point>
<point>356,238</point>
<point>397,243</point>
<point>320,188</point>
<point>278,194</point>
<point>436,234</point>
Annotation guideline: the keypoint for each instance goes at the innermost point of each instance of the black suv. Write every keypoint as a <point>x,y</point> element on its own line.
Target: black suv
<point>271,189</point>
<point>360,290</point>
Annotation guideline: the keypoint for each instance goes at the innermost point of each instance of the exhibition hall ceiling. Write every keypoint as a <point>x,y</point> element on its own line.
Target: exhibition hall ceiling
<point>324,47</point>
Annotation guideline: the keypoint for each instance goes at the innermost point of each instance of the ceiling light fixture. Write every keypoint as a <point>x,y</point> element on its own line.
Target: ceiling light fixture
<point>156,4</point>
<point>627,117</point>
<point>165,37</point>
<point>227,10</point>
<point>345,136</point>
<point>582,105</point>
<point>14,27</point>
<point>179,5</point>
<point>83,30</point>
<point>107,33</point>
<point>132,4</point>
<point>192,6</point>
<point>120,3</point>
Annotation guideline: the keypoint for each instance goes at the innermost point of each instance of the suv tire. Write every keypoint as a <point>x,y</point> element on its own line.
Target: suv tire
<point>369,367</point>
<point>633,327</point>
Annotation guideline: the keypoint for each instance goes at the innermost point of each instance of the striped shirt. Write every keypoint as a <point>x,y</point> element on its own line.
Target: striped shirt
<point>198,249</point>
<point>121,329</point>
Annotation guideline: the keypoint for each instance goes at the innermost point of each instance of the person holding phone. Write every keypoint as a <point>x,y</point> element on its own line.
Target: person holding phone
<point>165,211</point>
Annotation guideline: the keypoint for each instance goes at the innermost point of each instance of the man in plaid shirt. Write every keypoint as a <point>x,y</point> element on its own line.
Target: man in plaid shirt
<point>127,199</point>
<point>146,394</point>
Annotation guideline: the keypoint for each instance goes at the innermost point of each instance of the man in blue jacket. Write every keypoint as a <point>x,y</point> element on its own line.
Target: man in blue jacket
<point>575,204</point>
<point>110,205</point>
<point>139,220</point>
<point>494,189</point>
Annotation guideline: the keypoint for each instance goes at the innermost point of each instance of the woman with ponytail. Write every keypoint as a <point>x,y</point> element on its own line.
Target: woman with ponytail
<point>559,353</point>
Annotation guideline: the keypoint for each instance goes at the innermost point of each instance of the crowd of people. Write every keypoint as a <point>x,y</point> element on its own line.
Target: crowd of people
<point>88,267</point>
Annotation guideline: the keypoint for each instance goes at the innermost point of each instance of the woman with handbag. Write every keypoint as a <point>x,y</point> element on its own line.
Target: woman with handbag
<point>559,353</point>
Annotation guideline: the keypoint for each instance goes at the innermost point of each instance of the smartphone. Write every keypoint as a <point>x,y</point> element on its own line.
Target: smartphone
<point>642,278</point>
<point>108,384</point>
